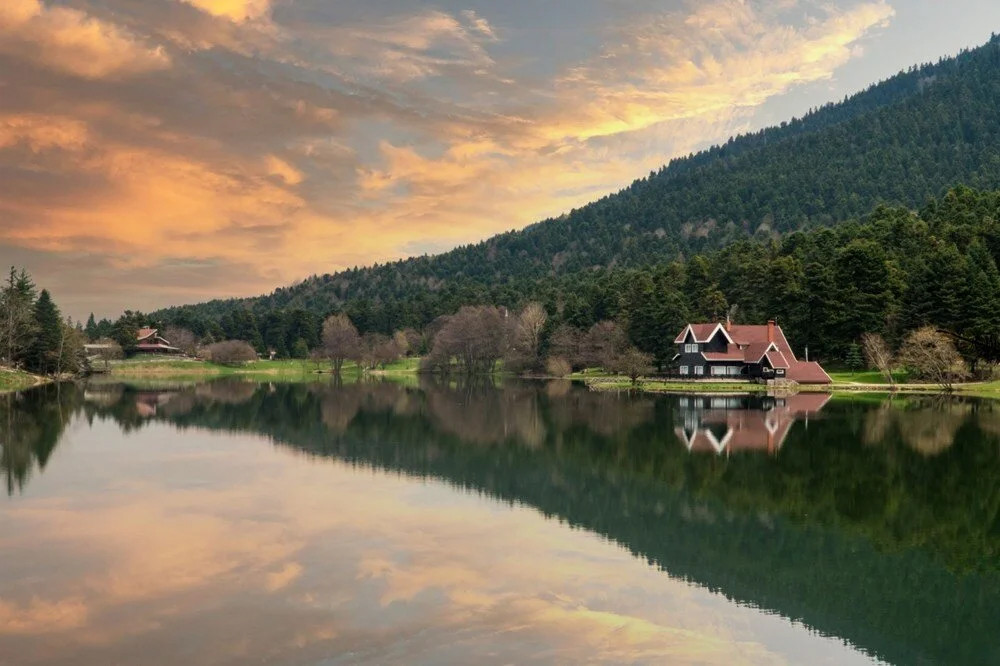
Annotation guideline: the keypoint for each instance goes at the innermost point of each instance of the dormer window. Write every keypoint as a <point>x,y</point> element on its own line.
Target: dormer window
<point>691,348</point>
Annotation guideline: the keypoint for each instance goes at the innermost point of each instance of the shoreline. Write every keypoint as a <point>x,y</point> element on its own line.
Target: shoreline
<point>13,381</point>
<point>612,383</point>
<point>167,369</point>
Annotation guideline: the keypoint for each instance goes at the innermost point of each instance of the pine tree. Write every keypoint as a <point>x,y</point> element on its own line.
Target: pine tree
<point>44,352</point>
<point>91,328</point>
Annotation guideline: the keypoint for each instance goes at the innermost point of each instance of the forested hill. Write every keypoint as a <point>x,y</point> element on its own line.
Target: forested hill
<point>899,142</point>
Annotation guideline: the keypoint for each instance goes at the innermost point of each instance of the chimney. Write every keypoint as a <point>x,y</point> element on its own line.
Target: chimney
<point>729,324</point>
<point>770,330</point>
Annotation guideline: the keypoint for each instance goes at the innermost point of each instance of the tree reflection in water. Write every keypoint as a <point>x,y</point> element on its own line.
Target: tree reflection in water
<point>875,520</point>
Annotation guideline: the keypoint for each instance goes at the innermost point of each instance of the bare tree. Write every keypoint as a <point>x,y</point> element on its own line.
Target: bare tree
<point>377,351</point>
<point>476,337</point>
<point>557,366</point>
<point>340,340</point>
<point>564,343</point>
<point>602,344</point>
<point>108,350</point>
<point>530,324</point>
<point>181,338</point>
<point>632,363</point>
<point>230,352</point>
<point>932,356</point>
<point>879,355</point>
<point>402,342</point>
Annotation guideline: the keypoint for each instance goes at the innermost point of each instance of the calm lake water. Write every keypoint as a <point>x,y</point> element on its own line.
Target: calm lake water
<point>234,522</point>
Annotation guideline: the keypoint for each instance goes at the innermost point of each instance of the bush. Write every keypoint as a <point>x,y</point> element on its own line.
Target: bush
<point>556,366</point>
<point>230,352</point>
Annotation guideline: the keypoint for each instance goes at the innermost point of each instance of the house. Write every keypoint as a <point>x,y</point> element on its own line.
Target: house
<point>741,351</point>
<point>732,424</point>
<point>148,340</point>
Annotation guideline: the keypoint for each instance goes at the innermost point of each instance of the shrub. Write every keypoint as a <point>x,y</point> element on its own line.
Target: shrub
<point>556,366</point>
<point>230,352</point>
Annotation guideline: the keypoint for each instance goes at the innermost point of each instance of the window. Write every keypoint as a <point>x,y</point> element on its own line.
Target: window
<point>734,369</point>
<point>691,348</point>
<point>718,370</point>
<point>684,370</point>
<point>699,369</point>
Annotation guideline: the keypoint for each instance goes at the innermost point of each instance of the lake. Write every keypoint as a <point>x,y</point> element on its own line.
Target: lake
<point>233,522</point>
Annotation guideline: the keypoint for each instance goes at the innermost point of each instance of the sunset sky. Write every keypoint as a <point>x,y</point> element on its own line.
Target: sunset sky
<point>171,151</point>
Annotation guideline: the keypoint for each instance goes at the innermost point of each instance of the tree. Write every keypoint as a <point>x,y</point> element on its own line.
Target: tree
<point>44,352</point>
<point>476,337</point>
<point>17,316</point>
<point>230,352</point>
<point>340,340</point>
<point>632,363</point>
<point>181,338</point>
<point>72,357</point>
<point>932,356</point>
<point>377,350</point>
<point>91,328</point>
<point>108,350</point>
<point>557,366</point>
<point>564,343</point>
<point>300,349</point>
<point>603,343</point>
<point>125,330</point>
<point>854,358</point>
<point>879,355</point>
<point>530,324</point>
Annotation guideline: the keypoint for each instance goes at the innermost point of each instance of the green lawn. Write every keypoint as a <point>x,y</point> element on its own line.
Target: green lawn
<point>165,365</point>
<point>168,366</point>
<point>865,377</point>
<point>17,380</point>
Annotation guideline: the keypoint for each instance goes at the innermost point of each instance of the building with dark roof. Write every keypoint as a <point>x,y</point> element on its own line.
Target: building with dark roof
<point>741,351</point>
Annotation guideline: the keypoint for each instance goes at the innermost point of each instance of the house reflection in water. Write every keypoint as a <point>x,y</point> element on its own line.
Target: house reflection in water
<point>717,424</point>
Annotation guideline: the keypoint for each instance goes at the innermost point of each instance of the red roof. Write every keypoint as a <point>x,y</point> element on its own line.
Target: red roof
<point>808,372</point>
<point>776,359</point>
<point>145,333</point>
<point>702,332</point>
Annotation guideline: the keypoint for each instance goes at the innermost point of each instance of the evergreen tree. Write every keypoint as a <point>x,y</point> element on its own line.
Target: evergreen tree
<point>91,328</point>
<point>44,352</point>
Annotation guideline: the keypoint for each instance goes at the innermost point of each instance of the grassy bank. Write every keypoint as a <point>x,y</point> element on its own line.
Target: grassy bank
<point>18,380</point>
<point>843,382</point>
<point>166,367</point>
<point>158,366</point>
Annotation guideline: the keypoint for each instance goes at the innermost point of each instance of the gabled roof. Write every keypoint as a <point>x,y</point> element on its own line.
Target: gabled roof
<point>144,333</point>
<point>808,372</point>
<point>702,332</point>
<point>776,359</point>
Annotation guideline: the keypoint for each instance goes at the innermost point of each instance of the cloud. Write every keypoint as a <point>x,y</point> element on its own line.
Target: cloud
<point>68,40</point>
<point>255,564</point>
<point>252,147</point>
<point>234,10</point>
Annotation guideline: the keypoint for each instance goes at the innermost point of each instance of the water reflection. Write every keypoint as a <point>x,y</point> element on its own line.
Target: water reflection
<point>831,512</point>
<point>731,424</point>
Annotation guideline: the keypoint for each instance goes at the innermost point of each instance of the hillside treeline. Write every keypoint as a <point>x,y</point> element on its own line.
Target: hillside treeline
<point>890,273</point>
<point>900,142</point>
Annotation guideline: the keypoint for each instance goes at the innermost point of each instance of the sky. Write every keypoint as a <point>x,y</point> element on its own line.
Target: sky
<point>172,151</point>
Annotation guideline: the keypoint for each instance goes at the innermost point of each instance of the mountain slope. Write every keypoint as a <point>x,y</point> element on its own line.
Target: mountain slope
<point>899,142</point>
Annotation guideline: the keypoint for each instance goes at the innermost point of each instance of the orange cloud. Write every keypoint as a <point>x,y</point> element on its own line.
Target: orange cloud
<point>70,41</point>
<point>235,10</point>
<point>292,148</point>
